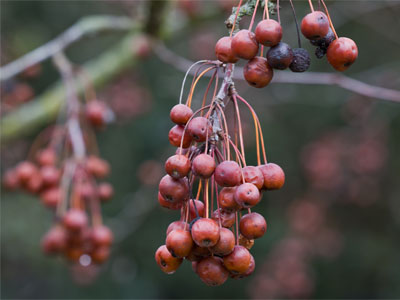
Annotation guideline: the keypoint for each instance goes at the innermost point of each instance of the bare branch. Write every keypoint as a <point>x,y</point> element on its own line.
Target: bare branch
<point>319,78</point>
<point>84,27</point>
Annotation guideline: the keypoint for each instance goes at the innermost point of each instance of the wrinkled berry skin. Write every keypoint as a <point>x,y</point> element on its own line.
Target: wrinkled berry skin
<point>244,44</point>
<point>211,271</point>
<point>257,72</point>
<point>325,41</point>
<point>315,25</point>
<point>342,53</point>
<point>268,32</point>
<point>224,52</point>
<point>274,177</point>
<point>280,56</point>
<point>301,60</point>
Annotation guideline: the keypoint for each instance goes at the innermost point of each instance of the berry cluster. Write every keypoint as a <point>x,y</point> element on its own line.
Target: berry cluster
<point>63,169</point>
<point>208,232</point>
<point>258,72</point>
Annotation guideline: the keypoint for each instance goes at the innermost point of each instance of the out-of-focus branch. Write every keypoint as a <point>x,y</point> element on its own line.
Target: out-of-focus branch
<point>84,27</point>
<point>319,78</point>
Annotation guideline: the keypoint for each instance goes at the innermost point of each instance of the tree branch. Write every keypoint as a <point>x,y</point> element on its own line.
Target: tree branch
<point>319,78</point>
<point>84,27</point>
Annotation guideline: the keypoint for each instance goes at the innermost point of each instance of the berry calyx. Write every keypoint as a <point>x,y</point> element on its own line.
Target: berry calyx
<point>205,232</point>
<point>177,166</point>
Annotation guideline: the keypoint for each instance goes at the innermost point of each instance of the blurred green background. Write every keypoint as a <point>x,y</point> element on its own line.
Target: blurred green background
<point>333,230</point>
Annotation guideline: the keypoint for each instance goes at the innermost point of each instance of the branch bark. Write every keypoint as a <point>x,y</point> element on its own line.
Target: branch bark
<point>319,78</point>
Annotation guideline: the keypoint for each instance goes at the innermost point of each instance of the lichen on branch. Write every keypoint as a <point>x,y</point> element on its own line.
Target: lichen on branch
<point>246,9</point>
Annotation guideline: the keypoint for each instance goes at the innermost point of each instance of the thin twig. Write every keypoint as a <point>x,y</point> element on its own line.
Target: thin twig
<point>84,27</point>
<point>319,78</point>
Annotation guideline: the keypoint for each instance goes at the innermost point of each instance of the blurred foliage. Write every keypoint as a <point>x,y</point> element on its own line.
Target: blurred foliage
<point>292,117</point>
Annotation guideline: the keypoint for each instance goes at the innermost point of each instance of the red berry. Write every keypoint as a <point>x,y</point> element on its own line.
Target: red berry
<point>253,226</point>
<point>166,204</point>
<point>175,136</point>
<point>100,254</point>
<point>203,165</point>
<point>274,177</point>
<point>174,190</point>
<point>10,180</point>
<point>342,53</point>
<point>228,173</point>
<point>51,197</point>
<point>226,199</point>
<point>177,166</point>
<point>225,244</point>
<point>46,157</point>
<point>98,167</point>
<point>101,236</point>
<point>25,170</point>
<point>253,175</point>
<point>105,191</point>
<point>96,113</point>
<point>244,44</point>
<point>54,241</point>
<point>166,261</point>
<point>192,210</point>
<point>238,261</point>
<point>268,32</point>
<point>179,243</point>
<point>257,72</point>
<point>199,128</point>
<point>50,175</point>
<point>211,271</point>
<point>249,271</point>
<point>75,220</point>
<point>180,114</point>
<point>224,52</point>
<point>315,25</point>
<point>34,184</point>
<point>247,195</point>
<point>177,225</point>
<point>205,232</point>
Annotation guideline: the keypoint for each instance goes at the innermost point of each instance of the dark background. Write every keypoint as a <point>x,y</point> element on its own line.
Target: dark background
<point>333,230</point>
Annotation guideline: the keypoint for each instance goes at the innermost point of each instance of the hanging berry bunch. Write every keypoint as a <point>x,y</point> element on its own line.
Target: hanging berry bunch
<point>258,72</point>
<point>64,170</point>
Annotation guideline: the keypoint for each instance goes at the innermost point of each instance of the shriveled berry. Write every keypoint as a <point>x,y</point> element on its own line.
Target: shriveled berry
<point>180,114</point>
<point>257,72</point>
<point>301,60</point>
<point>238,261</point>
<point>280,56</point>
<point>247,195</point>
<point>175,136</point>
<point>225,244</point>
<point>244,44</point>
<point>205,232</point>
<point>177,166</point>
<point>245,242</point>
<point>315,25</point>
<point>253,226</point>
<point>199,128</point>
<point>342,53</point>
<point>253,175</point>
<point>174,190</point>
<point>268,32</point>
<point>203,165</point>
<point>224,52</point>
<point>179,243</point>
<point>166,261</point>
<point>227,173</point>
<point>211,271</point>
<point>324,42</point>
<point>274,177</point>
<point>227,217</point>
